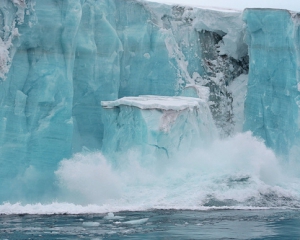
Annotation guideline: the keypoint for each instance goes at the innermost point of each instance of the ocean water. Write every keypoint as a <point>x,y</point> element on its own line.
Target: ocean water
<point>156,224</point>
<point>236,188</point>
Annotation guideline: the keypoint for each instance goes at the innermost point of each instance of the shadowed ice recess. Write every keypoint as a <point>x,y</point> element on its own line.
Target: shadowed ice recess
<point>111,105</point>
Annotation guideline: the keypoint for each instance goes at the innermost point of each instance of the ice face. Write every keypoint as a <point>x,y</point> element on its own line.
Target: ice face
<point>11,15</point>
<point>272,103</point>
<point>36,98</point>
<point>60,59</point>
<point>157,126</point>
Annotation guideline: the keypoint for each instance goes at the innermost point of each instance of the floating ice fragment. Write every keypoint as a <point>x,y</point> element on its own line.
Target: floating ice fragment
<point>90,224</point>
<point>138,221</point>
<point>111,216</point>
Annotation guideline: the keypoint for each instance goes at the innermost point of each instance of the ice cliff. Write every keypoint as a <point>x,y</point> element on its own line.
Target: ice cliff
<point>272,103</point>
<point>60,59</point>
<point>155,126</point>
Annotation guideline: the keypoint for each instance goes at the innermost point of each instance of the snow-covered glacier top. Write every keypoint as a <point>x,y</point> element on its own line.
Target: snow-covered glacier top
<point>155,102</point>
<point>226,22</point>
<point>194,5</point>
<point>234,5</point>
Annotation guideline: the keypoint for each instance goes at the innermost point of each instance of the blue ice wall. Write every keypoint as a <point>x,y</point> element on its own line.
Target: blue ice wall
<point>144,53</point>
<point>272,103</point>
<point>60,59</point>
<point>168,48</point>
<point>36,97</point>
<point>65,61</point>
<point>96,70</point>
<point>158,128</point>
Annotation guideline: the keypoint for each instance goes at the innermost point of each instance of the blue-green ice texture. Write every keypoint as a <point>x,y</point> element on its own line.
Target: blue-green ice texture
<point>272,102</point>
<point>60,59</point>
<point>156,127</point>
<point>60,151</point>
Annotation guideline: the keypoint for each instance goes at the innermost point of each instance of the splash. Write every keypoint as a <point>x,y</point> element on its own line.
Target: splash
<point>236,173</point>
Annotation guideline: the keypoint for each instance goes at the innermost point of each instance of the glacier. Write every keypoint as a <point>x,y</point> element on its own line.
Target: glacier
<point>272,102</point>
<point>79,76</point>
<point>160,127</point>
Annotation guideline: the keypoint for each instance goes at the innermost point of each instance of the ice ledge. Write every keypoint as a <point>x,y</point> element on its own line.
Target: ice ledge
<point>157,127</point>
<point>272,9</point>
<point>155,102</point>
<point>194,5</point>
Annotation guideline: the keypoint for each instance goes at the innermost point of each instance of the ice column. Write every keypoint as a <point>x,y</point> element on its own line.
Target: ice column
<point>157,126</point>
<point>272,102</point>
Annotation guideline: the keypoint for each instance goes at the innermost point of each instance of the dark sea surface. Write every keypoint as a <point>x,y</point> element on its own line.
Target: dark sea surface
<point>156,224</point>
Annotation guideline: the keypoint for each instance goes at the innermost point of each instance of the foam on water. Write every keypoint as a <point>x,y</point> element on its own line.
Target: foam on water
<point>235,173</point>
<point>61,208</point>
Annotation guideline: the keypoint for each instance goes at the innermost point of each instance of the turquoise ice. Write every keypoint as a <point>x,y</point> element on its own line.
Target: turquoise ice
<point>156,127</point>
<point>60,59</point>
<point>272,103</point>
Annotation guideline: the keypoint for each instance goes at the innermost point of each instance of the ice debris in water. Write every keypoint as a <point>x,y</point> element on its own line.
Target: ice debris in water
<point>90,224</point>
<point>111,216</point>
<point>136,222</point>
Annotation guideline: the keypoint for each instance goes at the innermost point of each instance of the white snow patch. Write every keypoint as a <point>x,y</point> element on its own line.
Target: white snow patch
<point>228,24</point>
<point>155,102</point>
<point>136,222</point>
<point>220,9</point>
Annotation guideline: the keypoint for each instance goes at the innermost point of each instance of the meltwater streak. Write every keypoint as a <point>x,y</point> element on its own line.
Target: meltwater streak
<point>236,173</point>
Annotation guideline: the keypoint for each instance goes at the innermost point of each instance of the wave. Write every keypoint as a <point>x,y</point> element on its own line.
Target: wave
<point>235,173</point>
<point>57,208</point>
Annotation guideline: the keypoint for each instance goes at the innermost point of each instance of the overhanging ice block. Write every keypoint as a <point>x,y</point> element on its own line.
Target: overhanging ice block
<point>156,126</point>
